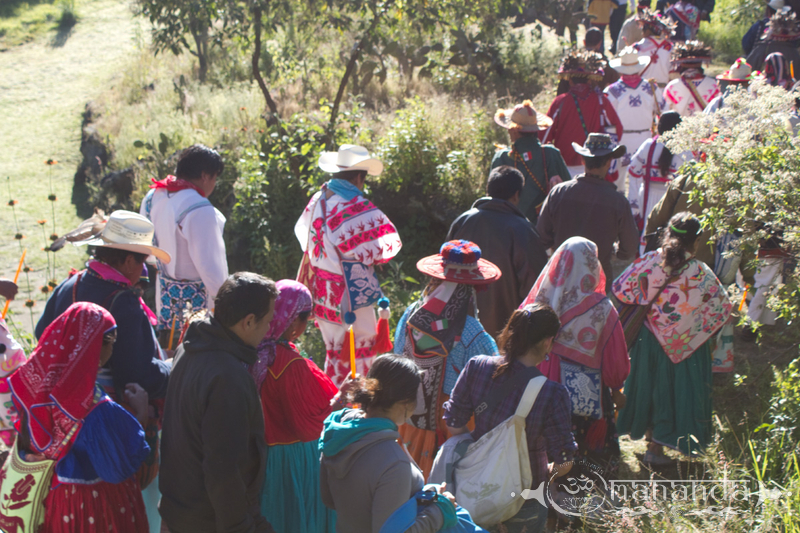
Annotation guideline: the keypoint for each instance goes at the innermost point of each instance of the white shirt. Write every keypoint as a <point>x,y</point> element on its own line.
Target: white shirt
<point>678,97</point>
<point>196,244</point>
<point>635,106</point>
<point>658,50</point>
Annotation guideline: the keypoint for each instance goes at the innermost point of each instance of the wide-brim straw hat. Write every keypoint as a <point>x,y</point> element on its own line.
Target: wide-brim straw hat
<point>740,72</point>
<point>522,117</point>
<point>350,157</point>
<point>460,262</point>
<point>599,145</point>
<point>691,52</point>
<point>629,62</point>
<point>126,230</point>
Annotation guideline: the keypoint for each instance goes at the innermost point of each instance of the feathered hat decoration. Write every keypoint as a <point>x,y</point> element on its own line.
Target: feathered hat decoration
<point>783,26</point>
<point>691,52</point>
<point>655,22</point>
<point>581,64</point>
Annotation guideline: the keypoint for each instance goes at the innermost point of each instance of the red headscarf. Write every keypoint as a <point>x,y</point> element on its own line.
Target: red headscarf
<point>175,184</point>
<point>55,387</point>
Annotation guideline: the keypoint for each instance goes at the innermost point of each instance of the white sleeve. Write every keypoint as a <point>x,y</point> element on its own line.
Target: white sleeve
<point>303,226</point>
<point>202,229</point>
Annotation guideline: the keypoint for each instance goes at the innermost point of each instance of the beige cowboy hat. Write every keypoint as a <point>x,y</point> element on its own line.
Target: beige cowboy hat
<point>629,62</point>
<point>126,230</point>
<point>523,117</point>
<point>350,157</point>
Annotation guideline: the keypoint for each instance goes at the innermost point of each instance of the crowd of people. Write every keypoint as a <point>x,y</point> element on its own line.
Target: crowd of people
<point>204,416</point>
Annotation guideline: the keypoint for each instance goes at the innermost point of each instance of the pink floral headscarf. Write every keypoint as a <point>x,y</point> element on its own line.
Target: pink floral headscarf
<point>294,298</point>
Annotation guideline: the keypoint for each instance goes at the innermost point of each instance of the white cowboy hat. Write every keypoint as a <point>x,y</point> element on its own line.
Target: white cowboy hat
<point>126,230</point>
<point>629,62</point>
<point>350,157</point>
<point>777,5</point>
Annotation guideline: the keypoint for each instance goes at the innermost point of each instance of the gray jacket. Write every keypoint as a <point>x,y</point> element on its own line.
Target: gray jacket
<point>369,480</point>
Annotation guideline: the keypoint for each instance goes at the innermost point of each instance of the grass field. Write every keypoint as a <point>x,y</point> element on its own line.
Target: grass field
<point>44,87</point>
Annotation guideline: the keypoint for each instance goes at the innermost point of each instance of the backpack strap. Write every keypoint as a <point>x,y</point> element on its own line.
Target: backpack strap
<point>499,394</point>
<point>529,396</point>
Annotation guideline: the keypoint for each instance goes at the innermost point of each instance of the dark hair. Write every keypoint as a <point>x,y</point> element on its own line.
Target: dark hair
<point>392,378</point>
<point>526,328</point>
<point>679,238</point>
<point>198,159</point>
<point>115,256</point>
<point>593,163</point>
<point>242,294</point>
<point>504,182</point>
<point>303,315</point>
<point>350,175</point>
<point>667,122</point>
<point>593,37</point>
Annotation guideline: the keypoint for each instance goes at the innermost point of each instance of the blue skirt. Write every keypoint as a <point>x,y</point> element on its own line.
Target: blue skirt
<point>290,499</point>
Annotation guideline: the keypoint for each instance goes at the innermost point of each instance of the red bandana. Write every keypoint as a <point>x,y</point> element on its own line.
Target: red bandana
<point>173,184</point>
<point>55,387</point>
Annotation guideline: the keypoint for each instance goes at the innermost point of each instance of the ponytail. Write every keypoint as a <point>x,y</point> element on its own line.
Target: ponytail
<point>679,238</point>
<point>526,328</point>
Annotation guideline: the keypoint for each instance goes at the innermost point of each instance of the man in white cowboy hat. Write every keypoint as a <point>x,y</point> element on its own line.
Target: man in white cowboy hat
<point>739,75</point>
<point>636,102</point>
<point>339,229</point>
<point>693,90</point>
<point>109,280</point>
<point>190,228</point>
<point>591,207</point>
<point>541,165</point>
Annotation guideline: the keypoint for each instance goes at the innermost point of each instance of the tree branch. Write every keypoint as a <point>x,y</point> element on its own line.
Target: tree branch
<point>351,64</point>
<point>274,117</point>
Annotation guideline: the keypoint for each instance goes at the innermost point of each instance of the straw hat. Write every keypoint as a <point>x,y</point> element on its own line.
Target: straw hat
<point>460,262</point>
<point>629,62</point>
<point>655,22</point>
<point>599,145</point>
<point>691,52</point>
<point>522,117</point>
<point>583,64</point>
<point>740,72</point>
<point>350,157</point>
<point>126,230</point>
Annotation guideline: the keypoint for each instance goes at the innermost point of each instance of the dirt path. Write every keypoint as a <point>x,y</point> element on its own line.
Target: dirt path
<point>44,86</point>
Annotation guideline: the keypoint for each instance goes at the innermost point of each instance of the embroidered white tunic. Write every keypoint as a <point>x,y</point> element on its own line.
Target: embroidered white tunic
<point>658,50</point>
<point>636,107</point>
<point>190,229</point>
<point>679,97</point>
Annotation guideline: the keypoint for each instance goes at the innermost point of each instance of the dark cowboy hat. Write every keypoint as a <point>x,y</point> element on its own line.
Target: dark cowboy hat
<point>599,145</point>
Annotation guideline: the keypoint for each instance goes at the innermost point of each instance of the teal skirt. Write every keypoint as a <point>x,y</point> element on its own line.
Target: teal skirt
<point>674,400</point>
<point>290,499</point>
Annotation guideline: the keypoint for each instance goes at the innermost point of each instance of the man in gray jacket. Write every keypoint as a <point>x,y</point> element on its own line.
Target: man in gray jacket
<point>213,450</point>
<point>508,240</point>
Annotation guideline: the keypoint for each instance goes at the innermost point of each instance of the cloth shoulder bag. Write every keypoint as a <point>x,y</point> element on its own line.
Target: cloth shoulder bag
<point>23,488</point>
<point>632,316</point>
<point>496,465</point>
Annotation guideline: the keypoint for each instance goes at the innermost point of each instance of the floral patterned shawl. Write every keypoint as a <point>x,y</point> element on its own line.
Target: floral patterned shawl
<point>293,299</point>
<point>573,284</point>
<point>55,387</point>
<point>689,310</point>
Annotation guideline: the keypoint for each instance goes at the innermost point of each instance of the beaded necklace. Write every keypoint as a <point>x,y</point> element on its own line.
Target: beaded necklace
<point>517,157</point>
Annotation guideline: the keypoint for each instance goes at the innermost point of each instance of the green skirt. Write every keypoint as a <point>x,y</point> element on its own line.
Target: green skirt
<point>290,499</point>
<point>674,400</point>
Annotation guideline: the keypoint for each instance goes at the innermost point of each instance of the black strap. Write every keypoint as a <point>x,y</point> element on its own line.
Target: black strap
<point>499,394</point>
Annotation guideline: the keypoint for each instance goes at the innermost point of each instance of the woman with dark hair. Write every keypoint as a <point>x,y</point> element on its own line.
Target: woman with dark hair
<point>296,397</point>
<point>669,388</point>
<point>525,342</point>
<point>652,168</point>
<point>366,475</point>
<point>589,355</point>
<point>65,417</point>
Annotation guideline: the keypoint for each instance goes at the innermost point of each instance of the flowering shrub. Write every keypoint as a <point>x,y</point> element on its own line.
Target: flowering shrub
<point>749,175</point>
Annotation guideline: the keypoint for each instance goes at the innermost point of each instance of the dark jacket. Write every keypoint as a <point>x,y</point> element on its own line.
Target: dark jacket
<point>762,49</point>
<point>213,454</point>
<point>753,34</point>
<point>508,240</point>
<point>593,209</point>
<point>136,357</point>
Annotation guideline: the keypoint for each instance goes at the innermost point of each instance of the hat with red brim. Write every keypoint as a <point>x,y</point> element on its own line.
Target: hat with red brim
<point>460,261</point>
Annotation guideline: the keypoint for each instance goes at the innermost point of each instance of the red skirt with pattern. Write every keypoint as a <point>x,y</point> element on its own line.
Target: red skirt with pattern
<point>100,507</point>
